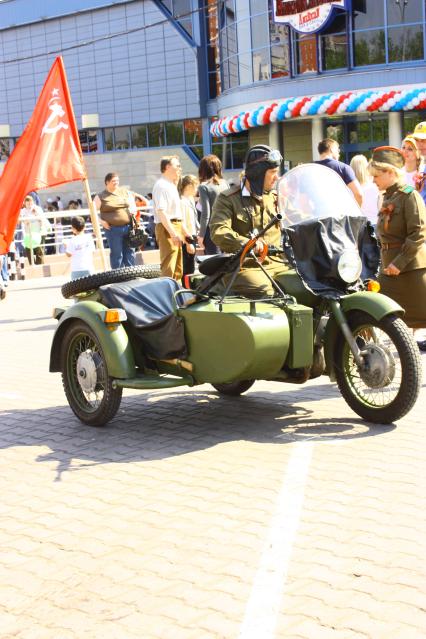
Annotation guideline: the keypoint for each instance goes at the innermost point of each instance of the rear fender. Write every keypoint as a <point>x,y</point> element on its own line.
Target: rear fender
<point>114,341</point>
<point>374,304</point>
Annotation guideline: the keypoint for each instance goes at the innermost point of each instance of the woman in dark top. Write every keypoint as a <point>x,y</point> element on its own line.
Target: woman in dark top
<point>115,204</point>
<point>211,184</point>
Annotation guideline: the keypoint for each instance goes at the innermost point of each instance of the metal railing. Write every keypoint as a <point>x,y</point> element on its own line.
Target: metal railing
<point>57,234</point>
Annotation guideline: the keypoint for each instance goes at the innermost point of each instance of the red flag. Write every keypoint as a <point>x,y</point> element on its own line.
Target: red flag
<point>47,153</point>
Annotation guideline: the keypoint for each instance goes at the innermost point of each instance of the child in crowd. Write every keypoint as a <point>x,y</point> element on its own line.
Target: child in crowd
<point>80,249</point>
<point>188,190</point>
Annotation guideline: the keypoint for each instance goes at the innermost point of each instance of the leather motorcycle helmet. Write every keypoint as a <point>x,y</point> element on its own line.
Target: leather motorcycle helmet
<point>258,160</point>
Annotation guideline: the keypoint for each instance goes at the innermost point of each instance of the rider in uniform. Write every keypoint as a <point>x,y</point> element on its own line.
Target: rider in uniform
<point>242,210</point>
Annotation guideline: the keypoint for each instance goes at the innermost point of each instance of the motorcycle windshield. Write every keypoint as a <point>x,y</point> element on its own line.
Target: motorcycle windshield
<point>321,223</point>
<point>313,191</point>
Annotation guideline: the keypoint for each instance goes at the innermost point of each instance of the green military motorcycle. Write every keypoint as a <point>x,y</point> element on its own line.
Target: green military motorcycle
<point>130,328</point>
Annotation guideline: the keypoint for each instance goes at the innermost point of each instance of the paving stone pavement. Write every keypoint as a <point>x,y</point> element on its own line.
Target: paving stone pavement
<point>279,514</point>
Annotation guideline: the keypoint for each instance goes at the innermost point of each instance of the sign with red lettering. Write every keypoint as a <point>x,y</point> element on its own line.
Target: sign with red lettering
<point>307,16</point>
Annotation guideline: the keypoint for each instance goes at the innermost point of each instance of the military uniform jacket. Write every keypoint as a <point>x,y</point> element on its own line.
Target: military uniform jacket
<point>401,228</point>
<point>235,216</point>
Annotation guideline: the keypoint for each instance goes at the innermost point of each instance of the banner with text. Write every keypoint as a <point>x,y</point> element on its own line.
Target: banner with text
<point>307,16</point>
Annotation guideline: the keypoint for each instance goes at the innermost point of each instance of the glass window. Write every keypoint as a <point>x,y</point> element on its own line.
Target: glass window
<point>180,8</point>
<point>239,150</point>
<point>244,36</point>
<point>261,68</point>
<point>229,10</point>
<point>89,141</point>
<point>231,150</point>
<point>245,68</point>
<point>108,139</point>
<point>139,140</point>
<point>232,39</point>
<point>369,47</point>
<point>193,132</point>
<point>405,43</point>
<point>213,58</point>
<point>156,134</point>
<point>334,51</point>
<point>233,71</point>
<point>336,132</point>
<point>186,23</point>
<point>257,6</point>
<point>403,11</point>
<point>411,119</point>
<point>380,129</point>
<point>214,85</point>
<point>225,75</point>
<point>122,137</point>
<point>368,13</point>
<point>174,133</point>
<point>364,132</point>
<point>306,53</point>
<point>280,49</point>
<point>259,31</point>
<point>198,150</point>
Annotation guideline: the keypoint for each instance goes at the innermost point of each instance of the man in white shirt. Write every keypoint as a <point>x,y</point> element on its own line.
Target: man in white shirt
<point>169,229</point>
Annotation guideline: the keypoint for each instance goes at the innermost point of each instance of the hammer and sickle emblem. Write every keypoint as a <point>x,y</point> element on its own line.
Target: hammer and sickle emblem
<point>56,112</point>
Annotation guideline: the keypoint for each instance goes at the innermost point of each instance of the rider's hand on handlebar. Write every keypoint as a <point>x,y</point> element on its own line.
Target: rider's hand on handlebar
<point>391,270</point>
<point>259,247</point>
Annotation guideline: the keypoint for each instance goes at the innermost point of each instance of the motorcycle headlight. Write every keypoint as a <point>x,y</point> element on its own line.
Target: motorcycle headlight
<point>349,266</point>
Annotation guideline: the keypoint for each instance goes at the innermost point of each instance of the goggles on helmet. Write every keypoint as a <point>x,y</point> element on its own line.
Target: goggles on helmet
<point>273,157</point>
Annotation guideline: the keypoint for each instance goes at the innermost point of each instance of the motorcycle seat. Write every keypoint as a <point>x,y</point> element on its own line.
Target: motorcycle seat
<point>214,264</point>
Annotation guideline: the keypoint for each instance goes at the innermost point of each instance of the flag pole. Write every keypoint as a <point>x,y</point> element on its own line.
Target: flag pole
<point>95,222</point>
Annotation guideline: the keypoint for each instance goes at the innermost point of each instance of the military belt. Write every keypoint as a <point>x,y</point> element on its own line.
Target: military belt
<point>391,245</point>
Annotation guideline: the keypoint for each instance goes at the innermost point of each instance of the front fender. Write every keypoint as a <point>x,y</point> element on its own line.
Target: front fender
<point>374,304</point>
<point>115,343</point>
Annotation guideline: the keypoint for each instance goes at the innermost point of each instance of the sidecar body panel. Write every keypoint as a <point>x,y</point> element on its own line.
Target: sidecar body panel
<point>114,341</point>
<point>243,341</point>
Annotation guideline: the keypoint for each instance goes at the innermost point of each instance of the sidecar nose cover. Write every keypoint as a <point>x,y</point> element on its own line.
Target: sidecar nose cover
<point>150,309</point>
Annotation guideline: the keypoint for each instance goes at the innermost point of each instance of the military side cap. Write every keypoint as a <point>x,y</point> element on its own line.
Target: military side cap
<point>388,155</point>
<point>420,131</point>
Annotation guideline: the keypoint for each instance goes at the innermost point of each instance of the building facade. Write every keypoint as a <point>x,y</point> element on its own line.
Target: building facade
<point>360,79</point>
<point>152,77</point>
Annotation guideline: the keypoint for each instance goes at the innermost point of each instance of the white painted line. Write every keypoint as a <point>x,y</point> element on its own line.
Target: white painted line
<point>7,395</point>
<point>263,605</point>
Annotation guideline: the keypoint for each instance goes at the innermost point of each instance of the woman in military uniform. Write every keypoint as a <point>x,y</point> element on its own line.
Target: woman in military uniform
<point>401,228</point>
<point>244,209</point>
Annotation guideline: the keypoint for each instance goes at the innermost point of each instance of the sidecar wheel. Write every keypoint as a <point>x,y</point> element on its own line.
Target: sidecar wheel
<point>91,282</point>
<point>234,388</point>
<point>85,378</point>
<point>388,389</point>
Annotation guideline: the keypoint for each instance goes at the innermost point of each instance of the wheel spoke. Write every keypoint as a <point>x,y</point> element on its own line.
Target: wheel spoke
<point>88,400</point>
<point>388,389</point>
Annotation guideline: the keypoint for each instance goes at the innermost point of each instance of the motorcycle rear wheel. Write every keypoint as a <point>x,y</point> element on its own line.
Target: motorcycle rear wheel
<point>389,389</point>
<point>234,388</point>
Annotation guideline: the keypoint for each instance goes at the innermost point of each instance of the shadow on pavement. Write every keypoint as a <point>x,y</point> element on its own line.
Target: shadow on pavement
<point>160,426</point>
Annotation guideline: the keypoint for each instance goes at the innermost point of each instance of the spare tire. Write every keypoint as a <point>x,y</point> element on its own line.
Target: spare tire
<point>91,282</point>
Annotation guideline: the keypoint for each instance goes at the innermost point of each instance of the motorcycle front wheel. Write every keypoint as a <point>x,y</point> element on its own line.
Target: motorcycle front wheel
<point>387,386</point>
<point>85,378</point>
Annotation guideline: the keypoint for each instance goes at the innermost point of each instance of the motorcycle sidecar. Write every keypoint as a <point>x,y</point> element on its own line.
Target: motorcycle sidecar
<point>149,341</point>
